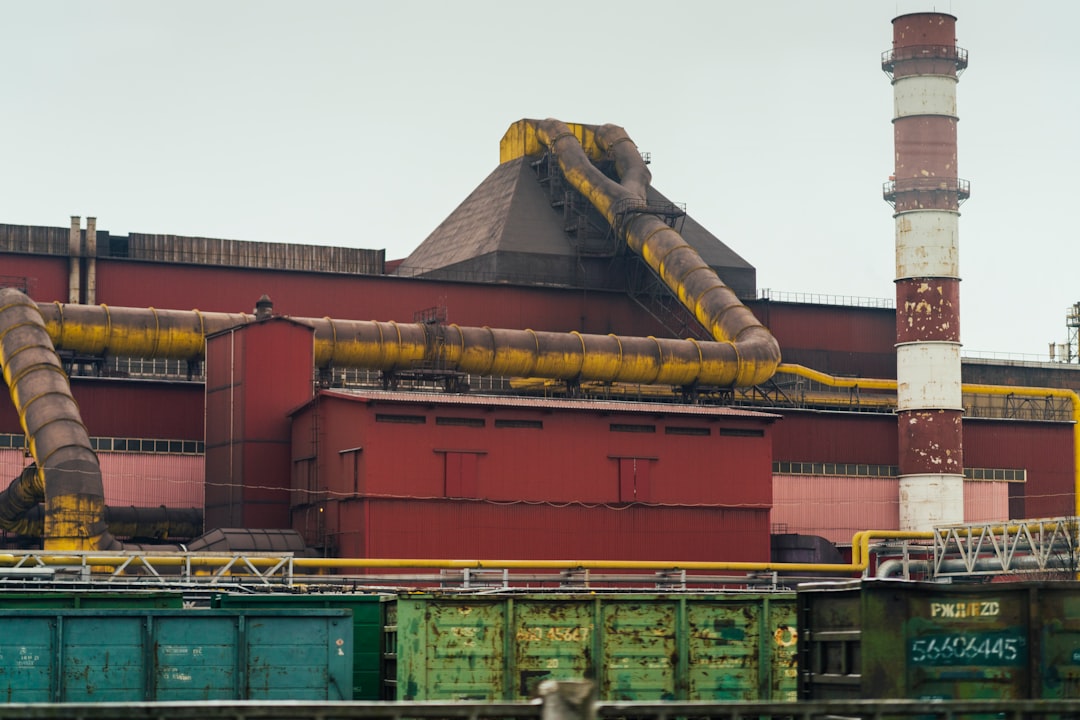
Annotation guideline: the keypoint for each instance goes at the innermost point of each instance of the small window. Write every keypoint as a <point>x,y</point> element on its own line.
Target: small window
<point>620,427</point>
<point>680,430</point>
<point>740,432</point>
<point>461,421</point>
<point>531,424</point>
<point>403,419</point>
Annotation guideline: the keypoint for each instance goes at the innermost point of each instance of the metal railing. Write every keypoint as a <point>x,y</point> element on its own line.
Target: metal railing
<point>820,299</point>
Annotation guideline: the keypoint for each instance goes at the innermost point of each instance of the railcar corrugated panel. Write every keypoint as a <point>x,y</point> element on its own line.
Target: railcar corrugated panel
<point>454,529</point>
<point>175,655</point>
<point>1044,450</point>
<point>638,647</point>
<point>130,284</point>
<point>885,639</point>
<point>42,278</point>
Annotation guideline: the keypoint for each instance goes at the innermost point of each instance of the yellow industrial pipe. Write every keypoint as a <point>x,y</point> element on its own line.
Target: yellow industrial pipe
<point>678,264</point>
<point>97,330</point>
<point>860,561</point>
<point>974,388</point>
<point>66,473</point>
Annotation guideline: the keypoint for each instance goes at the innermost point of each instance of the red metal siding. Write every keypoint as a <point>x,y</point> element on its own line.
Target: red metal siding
<point>46,278</point>
<point>140,408</point>
<point>368,297</point>
<point>1045,450</point>
<point>448,529</point>
<point>574,457</point>
<point>832,338</point>
<point>255,375</point>
<point>836,437</point>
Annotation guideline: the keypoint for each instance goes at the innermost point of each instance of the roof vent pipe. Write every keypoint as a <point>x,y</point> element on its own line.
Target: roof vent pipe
<point>264,308</point>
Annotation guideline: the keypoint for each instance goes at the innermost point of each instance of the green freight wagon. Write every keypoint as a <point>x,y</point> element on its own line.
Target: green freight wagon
<point>636,647</point>
<point>50,656</point>
<point>893,639</point>
<point>90,600</point>
<point>367,620</point>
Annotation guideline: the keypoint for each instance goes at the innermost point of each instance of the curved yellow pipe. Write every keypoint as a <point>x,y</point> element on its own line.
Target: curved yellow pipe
<point>676,262</point>
<point>974,388</point>
<point>66,473</point>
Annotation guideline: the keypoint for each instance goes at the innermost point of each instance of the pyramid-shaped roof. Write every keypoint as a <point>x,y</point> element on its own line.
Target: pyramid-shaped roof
<point>507,230</point>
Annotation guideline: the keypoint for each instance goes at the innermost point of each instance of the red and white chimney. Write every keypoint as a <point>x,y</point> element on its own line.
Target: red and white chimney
<point>926,192</point>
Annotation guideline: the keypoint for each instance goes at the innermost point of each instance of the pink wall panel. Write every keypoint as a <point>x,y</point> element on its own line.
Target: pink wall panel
<point>838,507</point>
<point>139,479</point>
<point>986,501</point>
<point>834,507</point>
<point>147,480</point>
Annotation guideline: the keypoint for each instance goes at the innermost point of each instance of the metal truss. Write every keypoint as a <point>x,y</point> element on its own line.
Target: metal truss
<point>1020,546</point>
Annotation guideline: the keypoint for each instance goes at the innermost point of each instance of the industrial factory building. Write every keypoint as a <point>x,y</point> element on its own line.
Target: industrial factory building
<point>569,366</point>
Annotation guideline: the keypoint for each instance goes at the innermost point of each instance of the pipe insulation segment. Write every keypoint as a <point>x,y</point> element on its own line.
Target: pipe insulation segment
<point>67,468</point>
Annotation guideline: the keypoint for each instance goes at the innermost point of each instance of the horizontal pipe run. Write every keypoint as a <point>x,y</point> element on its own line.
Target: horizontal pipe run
<point>860,558</point>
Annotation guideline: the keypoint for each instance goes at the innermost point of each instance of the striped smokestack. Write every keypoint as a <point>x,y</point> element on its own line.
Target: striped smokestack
<point>925,191</point>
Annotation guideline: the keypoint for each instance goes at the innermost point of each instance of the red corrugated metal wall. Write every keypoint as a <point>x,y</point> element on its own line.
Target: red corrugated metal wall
<point>449,529</point>
<point>529,463</point>
<point>805,436</point>
<point>1045,450</point>
<point>43,278</point>
<point>368,297</point>
<point>255,375</point>
<point>835,339</point>
<point>122,408</point>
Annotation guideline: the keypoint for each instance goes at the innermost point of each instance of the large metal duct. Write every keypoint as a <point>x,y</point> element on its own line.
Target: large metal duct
<point>389,346</point>
<point>678,264</point>
<point>66,474</point>
<point>159,523</point>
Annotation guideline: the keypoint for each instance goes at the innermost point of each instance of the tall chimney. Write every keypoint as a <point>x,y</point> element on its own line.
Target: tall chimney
<point>925,191</point>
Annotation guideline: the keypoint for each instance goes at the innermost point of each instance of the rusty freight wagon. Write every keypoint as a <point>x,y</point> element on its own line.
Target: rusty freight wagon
<point>893,639</point>
<point>648,646</point>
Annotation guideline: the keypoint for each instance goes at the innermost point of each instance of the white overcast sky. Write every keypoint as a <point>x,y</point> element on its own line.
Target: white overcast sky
<point>364,124</point>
